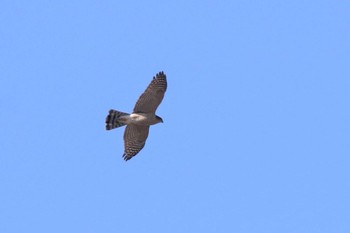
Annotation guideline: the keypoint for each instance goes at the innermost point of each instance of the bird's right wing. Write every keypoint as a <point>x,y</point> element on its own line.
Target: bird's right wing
<point>153,95</point>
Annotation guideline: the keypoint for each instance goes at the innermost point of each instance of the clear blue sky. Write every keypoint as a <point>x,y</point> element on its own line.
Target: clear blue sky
<point>256,116</point>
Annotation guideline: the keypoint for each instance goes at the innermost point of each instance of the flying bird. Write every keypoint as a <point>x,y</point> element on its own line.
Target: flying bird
<point>143,116</point>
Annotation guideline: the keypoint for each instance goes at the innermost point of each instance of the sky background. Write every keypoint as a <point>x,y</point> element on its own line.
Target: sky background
<point>256,116</point>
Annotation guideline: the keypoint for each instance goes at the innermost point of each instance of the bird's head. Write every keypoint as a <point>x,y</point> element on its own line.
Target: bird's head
<point>159,119</point>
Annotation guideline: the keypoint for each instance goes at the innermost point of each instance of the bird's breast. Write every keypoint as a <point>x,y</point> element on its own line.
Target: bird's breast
<point>142,119</point>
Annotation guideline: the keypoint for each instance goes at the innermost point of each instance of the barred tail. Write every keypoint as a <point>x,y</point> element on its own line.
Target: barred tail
<point>112,120</point>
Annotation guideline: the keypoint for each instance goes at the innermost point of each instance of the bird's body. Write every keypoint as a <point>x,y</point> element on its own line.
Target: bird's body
<point>142,119</point>
<point>138,122</point>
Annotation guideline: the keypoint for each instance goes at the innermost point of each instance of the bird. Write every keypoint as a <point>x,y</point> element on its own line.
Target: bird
<point>143,116</point>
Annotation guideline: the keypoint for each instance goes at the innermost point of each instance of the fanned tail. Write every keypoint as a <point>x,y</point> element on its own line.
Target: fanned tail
<point>113,119</point>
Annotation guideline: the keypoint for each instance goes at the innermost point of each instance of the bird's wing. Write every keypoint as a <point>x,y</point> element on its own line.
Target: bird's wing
<point>153,95</point>
<point>134,140</point>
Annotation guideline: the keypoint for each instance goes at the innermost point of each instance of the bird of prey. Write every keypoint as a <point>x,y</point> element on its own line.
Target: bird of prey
<point>138,122</point>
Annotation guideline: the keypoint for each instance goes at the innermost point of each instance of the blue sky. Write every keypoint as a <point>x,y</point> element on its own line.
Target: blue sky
<point>256,116</point>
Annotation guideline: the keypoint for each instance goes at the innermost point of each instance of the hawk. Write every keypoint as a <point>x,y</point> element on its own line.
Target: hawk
<point>143,116</point>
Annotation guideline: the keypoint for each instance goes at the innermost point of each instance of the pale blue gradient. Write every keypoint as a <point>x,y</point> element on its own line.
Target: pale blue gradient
<point>256,133</point>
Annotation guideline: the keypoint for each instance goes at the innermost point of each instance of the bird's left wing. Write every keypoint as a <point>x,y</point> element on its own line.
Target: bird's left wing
<point>134,139</point>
